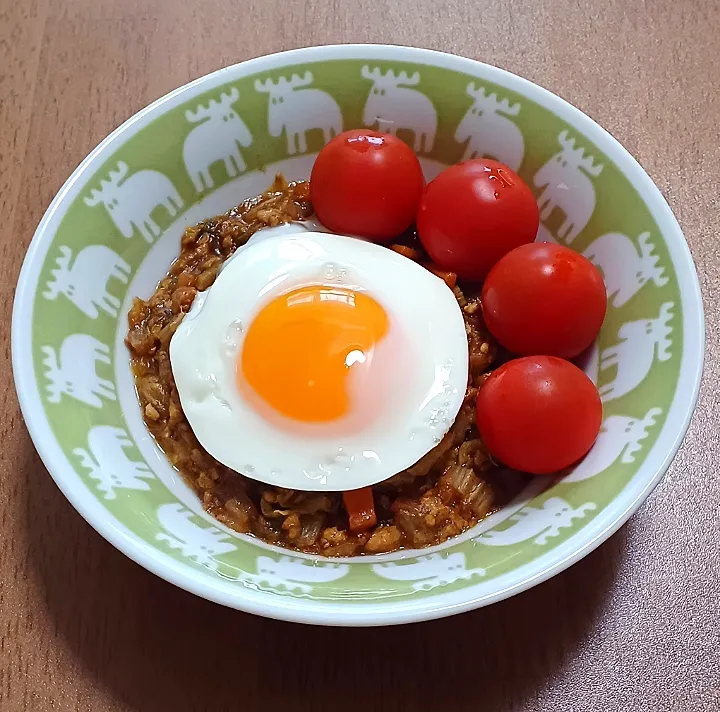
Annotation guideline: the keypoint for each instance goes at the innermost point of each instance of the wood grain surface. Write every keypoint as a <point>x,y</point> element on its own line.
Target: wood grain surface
<point>634,626</point>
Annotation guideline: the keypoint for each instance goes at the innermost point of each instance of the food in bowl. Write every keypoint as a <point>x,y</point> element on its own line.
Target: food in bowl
<point>325,393</point>
<point>132,497</point>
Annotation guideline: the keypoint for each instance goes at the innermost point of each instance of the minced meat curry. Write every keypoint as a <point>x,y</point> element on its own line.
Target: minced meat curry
<point>447,491</point>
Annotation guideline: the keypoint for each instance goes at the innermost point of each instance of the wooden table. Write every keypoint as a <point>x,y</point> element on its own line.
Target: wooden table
<point>635,626</point>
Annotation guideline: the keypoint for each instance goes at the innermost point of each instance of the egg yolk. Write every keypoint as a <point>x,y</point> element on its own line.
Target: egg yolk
<point>302,347</point>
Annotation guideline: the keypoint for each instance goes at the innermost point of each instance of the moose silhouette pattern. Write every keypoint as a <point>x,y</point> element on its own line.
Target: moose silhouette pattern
<point>73,371</point>
<point>131,199</point>
<point>199,544</point>
<point>107,462</point>
<point>641,342</point>
<point>537,523</point>
<point>294,574</point>
<point>296,108</point>
<point>566,184</point>
<point>488,131</point>
<point>620,438</point>
<point>393,105</point>
<point>218,135</point>
<point>625,268</point>
<point>430,571</point>
<point>85,279</point>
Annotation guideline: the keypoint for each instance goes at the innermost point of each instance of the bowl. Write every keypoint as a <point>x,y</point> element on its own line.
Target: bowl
<point>115,226</point>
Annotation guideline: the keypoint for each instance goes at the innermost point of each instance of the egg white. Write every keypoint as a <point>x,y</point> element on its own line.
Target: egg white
<point>425,351</point>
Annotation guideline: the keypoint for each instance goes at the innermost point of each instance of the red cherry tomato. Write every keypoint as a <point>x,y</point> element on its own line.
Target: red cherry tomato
<point>544,299</point>
<point>366,183</point>
<point>473,213</point>
<point>538,414</point>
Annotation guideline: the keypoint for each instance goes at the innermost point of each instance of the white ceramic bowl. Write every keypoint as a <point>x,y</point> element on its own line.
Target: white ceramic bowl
<point>113,229</point>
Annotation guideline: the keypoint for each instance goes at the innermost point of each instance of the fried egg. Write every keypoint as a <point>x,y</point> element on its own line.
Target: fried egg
<point>320,362</point>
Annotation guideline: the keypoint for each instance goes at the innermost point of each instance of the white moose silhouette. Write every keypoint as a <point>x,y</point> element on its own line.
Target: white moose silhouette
<point>488,131</point>
<point>201,544</point>
<point>634,355</point>
<point>298,112</point>
<point>109,465</point>
<point>430,571</point>
<point>620,437</point>
<point>567,187</point>
<point>217,139</point>
<point>537,524</point>
<point>544,235</point>
<point>624,268</point>
<point>74,373</point>
<point>393,106</point>
<point>85,282</point>
<point>131,202</point>
<point>294,574</point>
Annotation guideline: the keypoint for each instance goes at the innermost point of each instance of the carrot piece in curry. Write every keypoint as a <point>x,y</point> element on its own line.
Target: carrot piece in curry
<point>360,508</point>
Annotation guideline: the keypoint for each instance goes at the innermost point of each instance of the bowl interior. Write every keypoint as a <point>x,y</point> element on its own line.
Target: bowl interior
<point>113,230</point>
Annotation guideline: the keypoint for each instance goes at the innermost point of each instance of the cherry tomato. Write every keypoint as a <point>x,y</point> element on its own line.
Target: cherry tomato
<point>544,299</point>
<point>538,414</point>
<point>473,213</point>
<point>366,183</point>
